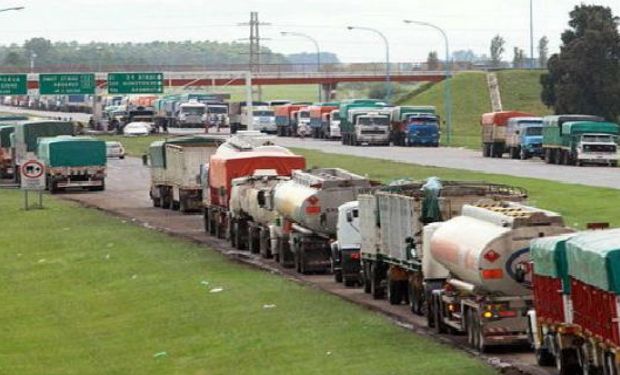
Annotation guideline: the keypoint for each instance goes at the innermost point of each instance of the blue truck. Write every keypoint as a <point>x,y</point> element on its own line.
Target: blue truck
<point>422,129</point>
<point>524,137</point>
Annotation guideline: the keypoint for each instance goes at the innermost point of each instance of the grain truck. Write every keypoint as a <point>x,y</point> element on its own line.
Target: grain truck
<point>485,252</point>
<point>422,129</point>
<point>552,134</point>
<point>575,324</point>
<point>73,162</point>
<point>284,118</point>
<point>26,135</point>
<point>493,126</point>
<point>175,165</point>
<point>365,122</point>
<point>240,118</point>
<point>307,206</point>
<point>391,222</point>
<point>316,117</point>
<point>241,156</point>
<point>399,119</point>
<point>524,137</point>
<point>583,142</point>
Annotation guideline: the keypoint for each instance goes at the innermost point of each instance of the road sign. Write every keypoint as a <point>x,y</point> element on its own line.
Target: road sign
<point>32,175</point>
<point>66,84</point>
<point>13,84</point>
<point>135,83</point>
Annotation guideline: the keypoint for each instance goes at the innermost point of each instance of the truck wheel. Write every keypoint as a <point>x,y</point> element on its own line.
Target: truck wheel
<point>567,362</point>
<point>53,188</point>
<point>471,332</point>
<point>240,244</point>
<point>349,281</point>
<point>264,243</point>
<point>376,290</point>
<point>523,154</point>
<point>609,366</point>
<point>416,300</point>
<point>183,205</point>
<point>366,278</point>
<point>337,276</point>
<point>439,326</point>
<point>544,357</point>
<point>233,233</point>
<point>163,198</point>
<point>393,292</point>
<point>206,221</point>
<point>254,240</point>
<point>174,205</point>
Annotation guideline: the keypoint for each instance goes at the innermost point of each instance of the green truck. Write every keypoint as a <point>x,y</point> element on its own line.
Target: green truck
<point>73,162</point>
<point>365,121</point>
<point>581,142</point>
<point>24,139</point>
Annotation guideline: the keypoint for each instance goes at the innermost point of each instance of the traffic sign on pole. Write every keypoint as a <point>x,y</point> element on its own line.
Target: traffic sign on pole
<point>13,84</point>
<point>135,83</point>
<point>67,84</point>
<point>32,175</point>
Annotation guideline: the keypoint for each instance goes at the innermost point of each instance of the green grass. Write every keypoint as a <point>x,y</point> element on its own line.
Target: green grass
<point>577,203</point>
<point>520,90</point>
<point>86,293</point>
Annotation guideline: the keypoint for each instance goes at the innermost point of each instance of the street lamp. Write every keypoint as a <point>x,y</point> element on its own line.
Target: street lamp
<point>447,86</point>
<point>33,56</point>
<point>531,35</point>
<point>316,45</point>
<point>388,86</point>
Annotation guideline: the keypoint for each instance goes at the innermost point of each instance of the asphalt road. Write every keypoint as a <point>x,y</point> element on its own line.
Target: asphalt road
<point>436,157</point>
<point>126,195</point>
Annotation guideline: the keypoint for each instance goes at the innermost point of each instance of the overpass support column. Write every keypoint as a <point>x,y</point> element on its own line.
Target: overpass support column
<point>329,91</point>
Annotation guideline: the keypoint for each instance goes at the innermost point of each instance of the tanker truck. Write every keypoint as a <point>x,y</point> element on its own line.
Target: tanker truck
<point>486,292</point>
<point>391,223</point>
<point>307,206</point>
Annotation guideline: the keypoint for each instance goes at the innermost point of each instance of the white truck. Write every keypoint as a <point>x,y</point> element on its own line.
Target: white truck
<point>345,257</point>
<point>367,126</point>
<point>302,120</point>
<point>240,118</point>
<point>191,114</point>
<point>175,168</point>
<point>216,116</point>
<point>331,123</point>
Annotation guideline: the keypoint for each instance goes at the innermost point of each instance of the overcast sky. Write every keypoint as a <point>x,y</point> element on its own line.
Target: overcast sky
<point>469,24</point>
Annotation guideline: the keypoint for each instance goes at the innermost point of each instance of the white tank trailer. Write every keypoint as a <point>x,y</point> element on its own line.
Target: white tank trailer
<point>485,253</point>
<point>308,209</point>
<point>249,214</point>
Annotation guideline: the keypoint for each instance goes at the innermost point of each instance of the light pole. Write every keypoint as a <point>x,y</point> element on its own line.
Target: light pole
<point>531,34</point>
<point>318,51</point>
<point>447,86</point>
<point>33,56</point>
<point>388,85</point>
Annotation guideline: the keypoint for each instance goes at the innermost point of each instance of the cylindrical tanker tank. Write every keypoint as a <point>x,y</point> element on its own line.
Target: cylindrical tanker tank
<point>244,197</point>
<point>311,198</point>
<point>488,247</point>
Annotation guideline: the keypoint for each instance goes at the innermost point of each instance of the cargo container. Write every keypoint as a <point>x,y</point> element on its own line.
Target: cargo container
<point>26,135</point>
<point>238,157</point>
<point>524,137</point>
<point>392,219</point>
<point>582,142</point>
<point>493,127</point>
<point>73,162</point>
<point>316,117</point>
<point>365,121</point>
<point>400,119</point>
<point>307,206</point>
<point>485,252</point>
<point>175,167</point>
<point>585,336</point>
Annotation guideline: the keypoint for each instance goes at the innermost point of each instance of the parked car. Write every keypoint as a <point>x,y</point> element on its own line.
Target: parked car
<point>137,129</point>
<point>114,149</point>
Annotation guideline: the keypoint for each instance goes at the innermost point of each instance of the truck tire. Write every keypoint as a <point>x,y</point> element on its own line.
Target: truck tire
<point>439,325</point>
<point>264,243</point>
<point>254,239</point>
<point>240,244</point>
<point>164,198</point>
<point>349,281</point>
<point>233,234</point>
<point>393,292</point>
<point>183,205</point>
<point>567,362</point>
<point>366,278</point>
<point>523,154</point>
<point>53,188</point>
<point>206,221</point>
<point>376,290</point>
<point>544,357</point>
<point>416,299</point>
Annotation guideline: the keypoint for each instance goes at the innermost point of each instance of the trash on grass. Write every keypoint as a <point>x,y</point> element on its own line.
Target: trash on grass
<point>134,276</point>
<point>216,290</point>
<point>268,306</point>
<point>42,260</point>
<point>204,282</point>
<point>160,354</point>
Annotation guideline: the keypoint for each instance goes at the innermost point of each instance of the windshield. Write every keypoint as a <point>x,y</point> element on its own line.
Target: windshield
<point>217,110</point>
<point>193,110</point>
<point>600,138</point>
<point>535,130</point>
<point>336,116</point>
<point>263,113</point>
<point>304,114</point>
<point>373,121</point>
<point>423,121</point>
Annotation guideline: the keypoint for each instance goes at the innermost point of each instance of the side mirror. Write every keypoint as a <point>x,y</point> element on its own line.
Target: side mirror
<point>145,160</point>
<point>520,273</point>
<point>409,240</point>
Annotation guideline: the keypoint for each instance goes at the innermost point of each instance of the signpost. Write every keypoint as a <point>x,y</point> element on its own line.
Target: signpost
<point>32,174</point>
<point>13,84</point>
<point>67,84</point>
<point>135,83</point>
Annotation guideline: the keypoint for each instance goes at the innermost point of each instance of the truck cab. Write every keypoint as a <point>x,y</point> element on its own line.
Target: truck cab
<point>216,115</point>
<point>524,137</point>
<point>334,124</point>
<point>371,126</point>
<point>303,122</point>
<point>422,129</point>
<point>597,149</point>
<point>190,113</point>
<point>264,120</point>
<point>346,250</point>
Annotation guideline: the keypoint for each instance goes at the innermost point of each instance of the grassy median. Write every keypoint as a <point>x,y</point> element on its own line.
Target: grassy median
<point>86,293</point>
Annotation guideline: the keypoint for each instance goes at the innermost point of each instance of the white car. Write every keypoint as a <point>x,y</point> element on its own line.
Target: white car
<point>137,129</point>
<point>114,149</point>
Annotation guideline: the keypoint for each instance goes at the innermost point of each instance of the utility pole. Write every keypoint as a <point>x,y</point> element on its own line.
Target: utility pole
<point>531,34</point>
<point>254,39</point>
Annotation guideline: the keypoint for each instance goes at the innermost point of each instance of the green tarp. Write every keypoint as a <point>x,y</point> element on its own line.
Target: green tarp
<point>156,154</point>
<point>549,257</point>
<point>65,151</point>
<point>30,131</point>
<point>594,258</point>
<point>5,135</point>
<point>581,127</point>
<point>157,149</point>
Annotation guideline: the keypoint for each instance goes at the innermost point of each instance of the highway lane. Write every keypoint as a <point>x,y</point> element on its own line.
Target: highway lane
<point>446,157</point>
<point>126,195</point>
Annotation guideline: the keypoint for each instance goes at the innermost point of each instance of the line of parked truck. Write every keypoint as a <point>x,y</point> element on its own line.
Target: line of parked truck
<point>71,161</point>
<point>456,252</point>
<point>561,139</point>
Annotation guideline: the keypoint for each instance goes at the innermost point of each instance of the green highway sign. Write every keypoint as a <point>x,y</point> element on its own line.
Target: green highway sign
<point>135,83</point>
<point>13,84</point>
<point>66,84</point>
